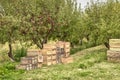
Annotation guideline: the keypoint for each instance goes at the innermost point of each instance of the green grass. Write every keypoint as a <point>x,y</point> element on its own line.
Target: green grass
<point>90,66</point>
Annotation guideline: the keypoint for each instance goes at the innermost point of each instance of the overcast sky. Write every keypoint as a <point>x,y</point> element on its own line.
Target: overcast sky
<point>84,2</point>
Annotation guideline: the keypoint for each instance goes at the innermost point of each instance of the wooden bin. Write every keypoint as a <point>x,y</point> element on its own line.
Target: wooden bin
<point>40,58</point>
<point>67,60</point>
<point>24,66</point>
<point>67,45</point>
<point>114,44</point>
<point>39,65</point>
<point>29,60</point>
<point>49,47</point>
<point>33,52</point>
<point>48,63</point>
<point>113,56</point>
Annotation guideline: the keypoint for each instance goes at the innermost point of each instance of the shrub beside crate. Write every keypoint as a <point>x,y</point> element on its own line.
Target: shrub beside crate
<point>113,55</point>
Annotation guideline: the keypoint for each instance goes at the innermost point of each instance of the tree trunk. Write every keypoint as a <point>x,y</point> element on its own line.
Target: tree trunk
<point>10,52</point>
<point>80,42</point>
<point>107,45</point>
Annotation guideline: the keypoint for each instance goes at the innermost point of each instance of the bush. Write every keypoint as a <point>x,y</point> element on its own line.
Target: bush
<point>20,52</point>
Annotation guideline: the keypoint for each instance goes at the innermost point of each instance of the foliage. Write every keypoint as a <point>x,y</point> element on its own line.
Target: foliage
<point>18,53</point>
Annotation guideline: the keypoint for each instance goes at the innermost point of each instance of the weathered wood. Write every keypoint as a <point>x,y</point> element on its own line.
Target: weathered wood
<point>24,66</point>
<point>113,56</point>
<point>114,41</point>
<point>49,46</point>
<point>47,57</point>
<point>29,60</point>
<point>54,62</point>
<point>39,65</point>
<point>54,57</point>
<point>112,53</point>
<point>67,50</point>
<point>40,58</point>
<point>33,52</point>
<point>47,62</point>
<point>67,44</point>
<point>115,49</point>
<point>114,44</point>
<point>34,66</point>
<point>67,60</point>
<point>47,52</point>
<point>112,59</point>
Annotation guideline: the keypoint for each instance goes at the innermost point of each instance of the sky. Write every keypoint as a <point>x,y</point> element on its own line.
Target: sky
<point>84,2</point>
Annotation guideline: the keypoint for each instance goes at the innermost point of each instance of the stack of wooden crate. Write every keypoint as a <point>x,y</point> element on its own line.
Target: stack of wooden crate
<point>113,54</point>
<point>63,52</point>
<point>33,60</point>
<point>49,54</point>
<point>32,53</point>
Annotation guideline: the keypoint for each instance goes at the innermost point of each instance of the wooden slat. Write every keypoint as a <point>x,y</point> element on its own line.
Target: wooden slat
<point>67,60</point>
<point>39,65</point>
<point>33,52</point>
<point>40,58</point>
<point>49,46</point>
<point>47,63</point>
<point>29,60</point>
<point>67,49</point>
<point>67,44</point>
<point>114,44</point>
<point>46,58</point>
<point>113,54</point>
<point>54,57</point>
<point>54,62</point>
<point>114,49</point>
<point>114,41</point>
<point>47,52</point>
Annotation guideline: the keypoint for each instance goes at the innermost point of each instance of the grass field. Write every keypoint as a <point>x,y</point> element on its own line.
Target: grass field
<point>92,65</point>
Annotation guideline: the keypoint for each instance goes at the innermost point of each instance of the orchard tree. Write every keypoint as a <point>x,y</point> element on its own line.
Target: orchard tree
<point>8,27</point>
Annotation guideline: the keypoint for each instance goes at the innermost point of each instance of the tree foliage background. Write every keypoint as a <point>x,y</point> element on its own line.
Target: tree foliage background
<point>39,21</point>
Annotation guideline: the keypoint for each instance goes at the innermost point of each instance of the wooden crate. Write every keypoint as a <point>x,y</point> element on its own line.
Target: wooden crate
<point>115,49</point>
<point>49,46</point>
<point>67,60</point>
<point>67,50</point>
<point>113,56</point>
<point>33,52</point>
<point>114,44</point>
<point>40,58</point>
<point>60,44</point>
<point>54,57</point>
<point>112,59</point>
<point>67,44</point>
<point>29,60</point>
<point>39,65</point>
<point>48,52</point>
<point>67,54</point>
<point>47,62</point>
<point>112,53</point>
<point>54,62</point>
<point>47,57</point>
<point>34,66</point>
<point>24,66</point>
